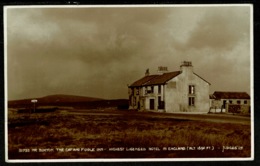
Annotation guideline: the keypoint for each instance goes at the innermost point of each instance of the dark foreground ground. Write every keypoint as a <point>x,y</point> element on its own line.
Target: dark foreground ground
<point>85,134</point>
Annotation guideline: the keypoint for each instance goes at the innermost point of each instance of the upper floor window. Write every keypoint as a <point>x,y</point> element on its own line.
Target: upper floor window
<point>149,89</point>
<point>238,101</point>
<point>137,91</point>
<point>159,89</point>
<point>191,89</point>
<point>245,101</point>
<point>130,91</point>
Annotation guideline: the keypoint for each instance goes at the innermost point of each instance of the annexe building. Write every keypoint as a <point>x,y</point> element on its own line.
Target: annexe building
<point>230,102</point>
<point>178,91</point>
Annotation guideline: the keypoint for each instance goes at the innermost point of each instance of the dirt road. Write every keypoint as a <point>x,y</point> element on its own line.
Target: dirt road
<point>219,118</point>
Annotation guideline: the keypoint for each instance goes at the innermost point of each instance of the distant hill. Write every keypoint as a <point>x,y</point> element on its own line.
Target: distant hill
<point>55,99</point>
<point>69,100</point>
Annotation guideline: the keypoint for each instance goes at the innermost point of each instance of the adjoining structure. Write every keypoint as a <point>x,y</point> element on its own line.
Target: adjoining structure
<point>230,102</point>
<point>178,91</point>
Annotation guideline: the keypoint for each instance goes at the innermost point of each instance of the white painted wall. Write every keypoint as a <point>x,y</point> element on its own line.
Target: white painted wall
<point>176,98</point>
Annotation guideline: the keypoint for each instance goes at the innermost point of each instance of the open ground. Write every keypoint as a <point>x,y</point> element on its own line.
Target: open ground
<point>84,134</point>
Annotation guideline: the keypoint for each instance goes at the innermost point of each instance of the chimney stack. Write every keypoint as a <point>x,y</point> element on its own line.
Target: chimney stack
<point>147,73</point>
<point>186,63</point>
<point>186,66</point>
<point>162,69</point>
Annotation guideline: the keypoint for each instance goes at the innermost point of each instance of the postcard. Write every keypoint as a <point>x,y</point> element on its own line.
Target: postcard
<point>89,83</point>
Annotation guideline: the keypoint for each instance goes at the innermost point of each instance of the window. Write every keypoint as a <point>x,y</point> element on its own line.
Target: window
<point>130,91</point>
<point>149,89</point>
<point>245,101</point>
<point>191,101</point>
<point>159,89</point>
<point>238,102</point>
<point>137,91</point>
<point>160,103</point>
<point>191,89</point>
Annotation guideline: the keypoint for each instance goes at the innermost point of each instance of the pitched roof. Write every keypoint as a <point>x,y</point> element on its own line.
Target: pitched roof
<point>155,79</point>
<point>201,78</point>
<point>143,80</point>
<point>211,96</point>
<point>231,95</point>
<point>162,79</point>
<point>158,79</point>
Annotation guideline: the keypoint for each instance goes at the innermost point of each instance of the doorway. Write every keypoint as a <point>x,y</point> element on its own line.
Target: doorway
<point>151,104</point>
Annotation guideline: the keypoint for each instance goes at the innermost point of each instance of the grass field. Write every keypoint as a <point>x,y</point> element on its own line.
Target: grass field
<point>64,135</point>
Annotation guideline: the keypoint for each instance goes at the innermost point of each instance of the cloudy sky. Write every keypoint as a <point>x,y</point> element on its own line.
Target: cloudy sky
<point>96,52</point>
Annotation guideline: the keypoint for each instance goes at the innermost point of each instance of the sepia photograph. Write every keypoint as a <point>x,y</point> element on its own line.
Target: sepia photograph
<point>89,83</point>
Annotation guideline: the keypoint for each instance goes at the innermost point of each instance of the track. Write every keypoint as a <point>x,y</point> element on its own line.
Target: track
<point>218,118</point>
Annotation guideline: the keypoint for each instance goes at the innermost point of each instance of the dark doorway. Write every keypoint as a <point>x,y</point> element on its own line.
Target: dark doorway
<point>151,104</point>
<point>224,104</point>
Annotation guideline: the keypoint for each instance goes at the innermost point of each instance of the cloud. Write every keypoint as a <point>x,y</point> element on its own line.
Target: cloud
<point>26,24</point>
<point>98,51</point>
<point>220,29</point>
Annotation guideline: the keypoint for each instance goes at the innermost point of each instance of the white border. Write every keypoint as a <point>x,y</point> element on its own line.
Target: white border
<point>252,82</point>
<point>129,6</point>
<point>136,159</point>
<point>5,82</point>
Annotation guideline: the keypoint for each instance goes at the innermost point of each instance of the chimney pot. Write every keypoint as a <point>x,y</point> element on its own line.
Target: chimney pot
<point>162,69</point>
<point>186,63</point>
<point>186,66</point>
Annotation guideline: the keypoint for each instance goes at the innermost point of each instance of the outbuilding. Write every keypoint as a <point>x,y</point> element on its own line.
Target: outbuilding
<point>230,102</point>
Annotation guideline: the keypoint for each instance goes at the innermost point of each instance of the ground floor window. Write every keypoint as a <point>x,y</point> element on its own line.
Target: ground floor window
<point>134,101</point>
<point>160,103</point>
<point>191,101</point>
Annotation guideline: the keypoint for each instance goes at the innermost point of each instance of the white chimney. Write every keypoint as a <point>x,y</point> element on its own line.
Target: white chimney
<point>186,67</point>
<point>162,69</point>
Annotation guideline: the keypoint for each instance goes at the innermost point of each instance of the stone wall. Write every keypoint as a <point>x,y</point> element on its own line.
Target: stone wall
<point>236,108</point>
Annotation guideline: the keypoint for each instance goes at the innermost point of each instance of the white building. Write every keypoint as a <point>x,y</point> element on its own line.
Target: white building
<point>178,91</point>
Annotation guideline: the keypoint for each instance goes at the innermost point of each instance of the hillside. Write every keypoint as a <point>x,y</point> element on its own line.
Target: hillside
<point>69,100</point>
<point>54,99</point>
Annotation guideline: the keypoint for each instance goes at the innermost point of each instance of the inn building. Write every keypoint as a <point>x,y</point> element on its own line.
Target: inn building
<point>177,91</point>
